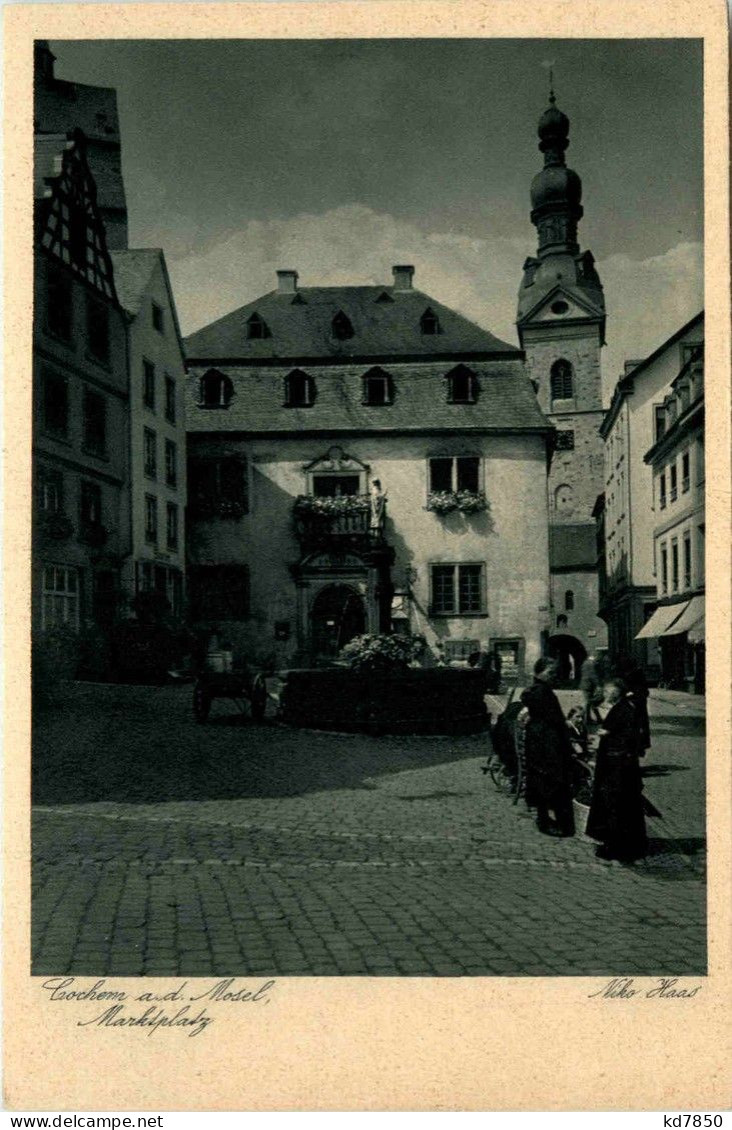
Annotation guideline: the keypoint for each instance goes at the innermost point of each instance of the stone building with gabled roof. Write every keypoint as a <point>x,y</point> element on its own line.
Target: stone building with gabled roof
<point>363,459</point>
<point>157,426</point>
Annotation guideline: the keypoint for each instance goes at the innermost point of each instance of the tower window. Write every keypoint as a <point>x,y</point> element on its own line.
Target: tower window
<point>157,317</point>
<point>299,389</point>
<point>569,600</point>
<point>462,386</point>
<point>562,380</point>
<point>216,390</point>
<point>559,307</point>
<point>341,326</point>
<point>257,328</point>
<point>378,387</point>
<point>429,323</point>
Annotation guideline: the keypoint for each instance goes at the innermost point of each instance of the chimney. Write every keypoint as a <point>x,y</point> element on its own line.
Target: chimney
<point>403,277</point>
<point>287,282</point>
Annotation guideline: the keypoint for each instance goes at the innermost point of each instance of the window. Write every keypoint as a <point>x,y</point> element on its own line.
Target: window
<point>462,386</point>
<point>429,323</point>
<point>674,565</point>
<point>90,509</point>
<point>687,559</point>
<point>148,384</point>
<point>700,546</point>
<point>700,470</point>
<point>664,569</point>
<point>685,472</point>
<point>378,387</point>
<point>329,486</point>
<point>95,423</point>
<point>157,317</point>
<point>457,590</point>
<point>150,452</point>
<point>219,592</point>
<point>97,329</point>
<point>662,491</point>
<point>55,405</point>
<point>569,600</point>
<point>218,487</point>
<point>151,519</point>
<point>299,389</point>
<point>172,526</point>
<point>459,473</point>
<point>59,304</point>
<point>169,399</point>
<point>50,491</point>
<point>565,440</point>
<point>673,485</point>
<point>216,390</point>
<point>171,463</point>
<point>257,328</point>
<point>459,651</point>
<point>561,378</point>
<point>341,326</point>
<point>60,598</point>
<point>659,416</point>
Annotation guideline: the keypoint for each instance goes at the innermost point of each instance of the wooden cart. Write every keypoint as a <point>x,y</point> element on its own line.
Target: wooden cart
<point>243,686</point>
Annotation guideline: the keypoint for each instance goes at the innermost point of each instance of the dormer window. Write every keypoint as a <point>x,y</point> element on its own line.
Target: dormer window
<point>378,387</point>
<point>216,390</point>
<point>384,297</point>
<point>341,326</point>
<point>462,386</point>
<point>562,380</point>
<point>429,323</point>
<point>299,389</point>
<point>257,328</point>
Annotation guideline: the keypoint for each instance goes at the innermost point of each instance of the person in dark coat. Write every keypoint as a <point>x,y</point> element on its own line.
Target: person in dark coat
<point>549,754</point>
<point>616,811</point>
<point>636,686</point>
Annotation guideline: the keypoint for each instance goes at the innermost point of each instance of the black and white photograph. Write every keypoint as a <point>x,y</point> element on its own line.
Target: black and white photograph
<point>368,531</point>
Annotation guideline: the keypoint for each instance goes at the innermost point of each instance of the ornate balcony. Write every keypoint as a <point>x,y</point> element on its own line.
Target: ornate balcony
<point>337,521</point>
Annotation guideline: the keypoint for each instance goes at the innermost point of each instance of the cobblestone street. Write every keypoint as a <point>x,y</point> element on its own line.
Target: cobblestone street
<point>163,847</point>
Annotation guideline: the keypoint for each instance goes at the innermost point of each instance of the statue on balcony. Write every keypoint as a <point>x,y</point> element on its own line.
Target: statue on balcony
<point>378,508</point>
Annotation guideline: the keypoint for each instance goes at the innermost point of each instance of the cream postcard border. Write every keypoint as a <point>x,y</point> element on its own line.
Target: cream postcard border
<point>365,1043</point>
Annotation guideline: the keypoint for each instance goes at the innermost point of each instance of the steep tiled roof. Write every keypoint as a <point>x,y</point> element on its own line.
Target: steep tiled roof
<point>132,271</point>
<point>299,326</point>
<point>60,106</point>
<point>573,546</point>
<point>506,400</point>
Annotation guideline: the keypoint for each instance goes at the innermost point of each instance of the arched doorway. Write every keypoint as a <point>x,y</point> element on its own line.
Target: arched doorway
<point>338,615</point>
<point>570,655</point>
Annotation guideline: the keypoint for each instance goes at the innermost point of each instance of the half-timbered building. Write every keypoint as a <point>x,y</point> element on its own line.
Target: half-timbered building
<point>81,516</point>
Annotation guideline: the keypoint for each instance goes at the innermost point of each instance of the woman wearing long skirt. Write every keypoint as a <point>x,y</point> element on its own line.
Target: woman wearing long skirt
<point>549,756</point>
<point>616,813</point>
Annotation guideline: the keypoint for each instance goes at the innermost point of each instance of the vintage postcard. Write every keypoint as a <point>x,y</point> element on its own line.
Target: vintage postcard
<point>366,741</point>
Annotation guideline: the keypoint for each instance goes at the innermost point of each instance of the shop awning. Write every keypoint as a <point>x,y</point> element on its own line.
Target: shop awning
<point>689,618</point>
<point>660,621</point>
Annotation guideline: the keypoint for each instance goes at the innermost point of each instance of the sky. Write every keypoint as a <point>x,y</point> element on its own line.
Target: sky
<point>340,158</point>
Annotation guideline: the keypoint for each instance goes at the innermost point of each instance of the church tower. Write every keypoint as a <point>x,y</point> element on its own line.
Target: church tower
<point>561,326</point>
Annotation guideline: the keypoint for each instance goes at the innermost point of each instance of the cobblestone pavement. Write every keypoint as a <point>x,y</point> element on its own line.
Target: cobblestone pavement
<point>163,847</point>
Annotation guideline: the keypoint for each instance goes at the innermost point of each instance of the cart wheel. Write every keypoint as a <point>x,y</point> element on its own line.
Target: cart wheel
<point>258,698</point>
<point>201,704</point>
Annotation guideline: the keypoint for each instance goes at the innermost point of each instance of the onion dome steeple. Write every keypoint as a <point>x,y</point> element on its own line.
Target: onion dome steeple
<point>556,191</point>
<point>556,209</point>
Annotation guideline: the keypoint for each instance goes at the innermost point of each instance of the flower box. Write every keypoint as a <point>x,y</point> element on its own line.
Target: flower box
<point>466,501</point>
